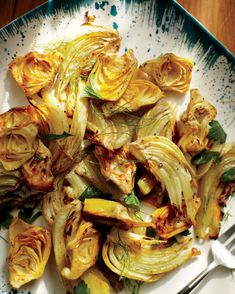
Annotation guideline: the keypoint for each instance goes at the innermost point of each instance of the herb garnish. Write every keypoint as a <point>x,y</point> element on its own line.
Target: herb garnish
<point>150,232</point>
<point>81,288</point>
<point>205,157</point>
<point>228,175</point>
<point>216,132</point>
<point>93,192</point>
<point>132,201</point>
<point>50,137</point>
<point>26,214</point>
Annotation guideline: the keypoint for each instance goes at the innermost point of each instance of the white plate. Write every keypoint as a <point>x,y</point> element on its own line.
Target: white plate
<point>149,28</point>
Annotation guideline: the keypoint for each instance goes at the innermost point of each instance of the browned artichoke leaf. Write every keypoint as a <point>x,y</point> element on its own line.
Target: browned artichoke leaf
<point>37,171</point>
<point>18,137</point>
<point>35,71</point>
<point>170,221</point>
<point>76,241</point>
<point>170,72</point>
<point>29,251</point>
<point>117,167</point>
<point>194,123</point>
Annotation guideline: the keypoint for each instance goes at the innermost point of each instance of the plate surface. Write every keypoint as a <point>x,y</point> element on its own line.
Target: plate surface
<point>149,28</point>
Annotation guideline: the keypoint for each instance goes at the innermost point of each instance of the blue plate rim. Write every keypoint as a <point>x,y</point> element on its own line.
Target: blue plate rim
<point>49,7</point>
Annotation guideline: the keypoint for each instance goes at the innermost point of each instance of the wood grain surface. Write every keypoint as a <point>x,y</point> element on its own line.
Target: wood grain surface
<point>218,16</point>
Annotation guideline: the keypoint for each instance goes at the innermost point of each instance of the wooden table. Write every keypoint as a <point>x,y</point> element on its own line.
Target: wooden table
<point>218,16</point>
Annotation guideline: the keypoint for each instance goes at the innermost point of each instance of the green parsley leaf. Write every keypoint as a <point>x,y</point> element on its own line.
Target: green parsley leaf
<point>81,288</point>
<point>132,201</point>
<point>216,132</point>
<point>150,232</point>
<point>132,286</point>
<point>205,157</point>
<point>5,220</point>
<point>38,157</point>
<point>228,176</point>
<point>93,192</point>
<point>26,214</point>
<point>185,233</point>
<point>50,137</point>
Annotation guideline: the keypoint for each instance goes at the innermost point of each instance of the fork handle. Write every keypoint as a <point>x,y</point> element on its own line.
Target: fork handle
<point>188,288</point>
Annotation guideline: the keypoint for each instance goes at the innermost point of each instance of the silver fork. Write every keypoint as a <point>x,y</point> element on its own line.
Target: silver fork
<point>223,251</point>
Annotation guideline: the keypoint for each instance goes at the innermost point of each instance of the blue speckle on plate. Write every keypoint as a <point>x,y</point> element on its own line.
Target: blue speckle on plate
<point>115,25</point>
<point>113,10</point>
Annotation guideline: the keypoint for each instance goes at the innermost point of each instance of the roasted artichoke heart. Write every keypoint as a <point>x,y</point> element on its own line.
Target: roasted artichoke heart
<point>213,194</point>
<point>35,71</point>
<point>76,242</point>
<point>117,167</point>
<point>194,123</point>
<point>140,92</point>
<point>18,137</point>
<point>29,251</point>
<point>111,212</point>
<point>167,163</point>
<point>142,258</point>
<point>170,72</point>
<point>169,221</point>
<point>158,121</point>
<point>110,76</point>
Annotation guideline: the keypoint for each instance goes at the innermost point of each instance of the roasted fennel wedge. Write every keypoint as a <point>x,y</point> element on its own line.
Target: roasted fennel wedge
<point>76,242</point>
<point>142,258</point>
<point>213,191</point>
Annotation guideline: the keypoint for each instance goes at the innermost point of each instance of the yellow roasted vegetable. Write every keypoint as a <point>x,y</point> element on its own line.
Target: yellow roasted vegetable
<point>194,123</point>
<point>110,76</point>
<point>18,137</point>
<point>146,184</point>
<point>169,221</point>
<point>167,163</point>
<point>140,92</point>
<point>170,72</point>
<point>35,71</point>
<point>111,212</point>
<point>158,121</point>
<point>30,248</point>
<point>76,242</point>
<point>213,191</point>
<point>145,259</point>
<point>96,281</point>
<point>117,167</point>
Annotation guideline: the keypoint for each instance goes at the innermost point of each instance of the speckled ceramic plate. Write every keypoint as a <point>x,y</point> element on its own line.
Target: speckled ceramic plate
<point>149,28</point>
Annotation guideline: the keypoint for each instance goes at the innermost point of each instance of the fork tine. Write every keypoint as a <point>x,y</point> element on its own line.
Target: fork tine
<point>231,243</point>
<point>227,234</point>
